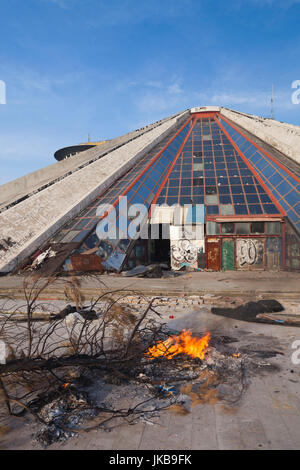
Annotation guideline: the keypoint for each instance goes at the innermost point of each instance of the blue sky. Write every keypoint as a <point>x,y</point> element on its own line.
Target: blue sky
<point>104,67</point>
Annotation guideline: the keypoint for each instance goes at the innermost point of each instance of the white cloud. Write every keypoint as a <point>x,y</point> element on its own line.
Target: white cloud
<point>29,86</point>
<point>65,4</point>
<point>154,84</point>
<point>254,99</point>
<point>175,89</point>
<point>175,97</point>
<point>117,12</point>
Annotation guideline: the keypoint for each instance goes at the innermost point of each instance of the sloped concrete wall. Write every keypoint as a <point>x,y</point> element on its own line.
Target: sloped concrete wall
<point>33,182</point>
<point>33,221</point>
<point>284,137</point>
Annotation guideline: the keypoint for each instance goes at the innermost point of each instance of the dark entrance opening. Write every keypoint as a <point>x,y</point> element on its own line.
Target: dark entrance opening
<point>159,249</point>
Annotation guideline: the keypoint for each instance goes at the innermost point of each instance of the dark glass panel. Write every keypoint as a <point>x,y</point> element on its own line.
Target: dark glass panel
<point>257,227</point>
<point>227,228</point>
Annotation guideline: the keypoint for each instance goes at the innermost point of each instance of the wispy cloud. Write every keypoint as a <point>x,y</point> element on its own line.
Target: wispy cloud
<point>175,96</point>
<point>116,12</point>
<point>27,85</point>
<point>175,87</point>
<point>150,95</point>
<point>254,99</point>
<point>154,84</point>
<point>65,4</point>
<point>282,4</point>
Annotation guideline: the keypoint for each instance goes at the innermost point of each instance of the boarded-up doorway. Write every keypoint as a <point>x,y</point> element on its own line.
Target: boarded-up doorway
<point>213,253</point>
<point>273,254</point>
<point>228,254</point>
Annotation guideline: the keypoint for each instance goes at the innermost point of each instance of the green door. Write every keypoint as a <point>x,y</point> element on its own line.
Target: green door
<point>227,254</point>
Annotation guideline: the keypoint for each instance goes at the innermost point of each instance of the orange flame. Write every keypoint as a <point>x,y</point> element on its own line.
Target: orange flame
<point>183,343</point>
<point>236,354</point>
<point>66,385</point>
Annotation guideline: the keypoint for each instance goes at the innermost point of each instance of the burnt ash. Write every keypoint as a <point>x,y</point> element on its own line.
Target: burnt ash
<point>150,388</point>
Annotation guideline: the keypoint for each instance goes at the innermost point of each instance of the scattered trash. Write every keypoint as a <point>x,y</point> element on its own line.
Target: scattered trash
<point>286,319</point>
<point>63,313</point>
<point>73,318</point>
<point>166,390</point>
<point>40,259</point>
<point>6,244</point>
<point>152,271</point>
<point>85,313</point>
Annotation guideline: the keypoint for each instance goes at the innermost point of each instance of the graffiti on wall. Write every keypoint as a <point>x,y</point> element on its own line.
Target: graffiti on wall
<point>184,247</point>
<point>249,252</point>
<point>6,244</point>
<point>184,251</point>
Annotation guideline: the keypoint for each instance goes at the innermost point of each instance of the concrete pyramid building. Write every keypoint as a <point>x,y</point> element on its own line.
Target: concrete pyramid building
<point>207,188</point>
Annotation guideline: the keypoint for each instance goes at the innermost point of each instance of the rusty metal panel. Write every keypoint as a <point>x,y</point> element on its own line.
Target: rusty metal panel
<point>250,253</point>
<point>273,253</point>
<point>86,263</point>
<point>213,253</point>
<point>228,254</point>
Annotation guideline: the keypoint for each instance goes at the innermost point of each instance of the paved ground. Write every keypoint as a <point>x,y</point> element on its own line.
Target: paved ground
<point>267,418</point>
<point>250,283</point>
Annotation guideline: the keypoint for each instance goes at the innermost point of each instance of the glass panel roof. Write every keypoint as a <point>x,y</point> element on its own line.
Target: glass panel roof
<point>283,187</point>
<point>211,172</point>
<point>138,191</point>
<point>208,170</point>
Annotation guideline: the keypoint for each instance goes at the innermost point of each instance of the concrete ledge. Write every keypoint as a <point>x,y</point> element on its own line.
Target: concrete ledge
<point>32,222</point>
<point>284,137</point>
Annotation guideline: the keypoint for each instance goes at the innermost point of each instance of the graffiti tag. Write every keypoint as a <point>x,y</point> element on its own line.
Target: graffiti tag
<point>249,252</point>
<point>184,251</point>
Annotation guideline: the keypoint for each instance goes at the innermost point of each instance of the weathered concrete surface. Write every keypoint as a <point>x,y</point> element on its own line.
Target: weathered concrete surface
<point>242,284</point>
<point>33,221</point>
<point>33,182</point>
<point>268,416</point>
<point>284,137</point>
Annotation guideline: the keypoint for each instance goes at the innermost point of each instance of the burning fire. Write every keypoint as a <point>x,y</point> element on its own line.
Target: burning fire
<point>177,344</point>
<point>236,354</point>
<point>66,385</point>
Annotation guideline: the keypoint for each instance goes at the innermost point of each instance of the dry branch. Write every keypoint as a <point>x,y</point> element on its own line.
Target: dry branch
<point>44,354</point>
